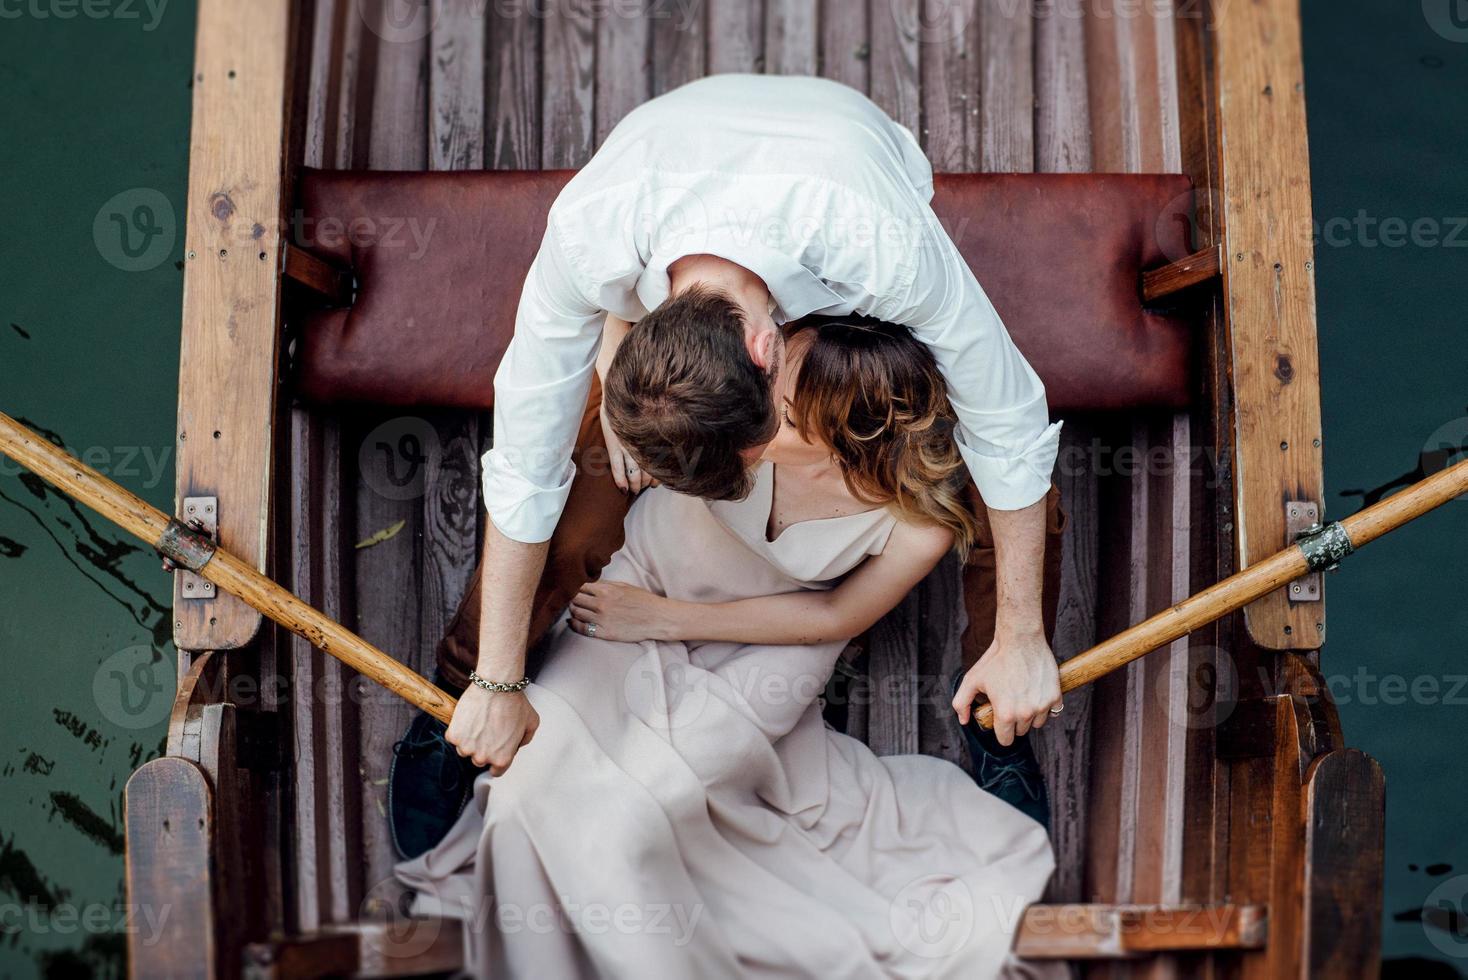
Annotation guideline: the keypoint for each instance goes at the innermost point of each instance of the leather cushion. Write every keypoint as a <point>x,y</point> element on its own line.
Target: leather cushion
<point>439,260</point>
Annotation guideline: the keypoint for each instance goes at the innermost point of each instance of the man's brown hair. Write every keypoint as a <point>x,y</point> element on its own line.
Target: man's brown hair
<point>686,399</point>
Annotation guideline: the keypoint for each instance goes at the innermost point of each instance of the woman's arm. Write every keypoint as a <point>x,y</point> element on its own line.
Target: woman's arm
<point>613,332</point>
<point>625,612</point>
<point>625,472</point>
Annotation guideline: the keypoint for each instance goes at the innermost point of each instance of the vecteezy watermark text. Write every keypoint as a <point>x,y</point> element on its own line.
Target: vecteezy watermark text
<point>149,12</point>
<point>143,467</point>
<point>145,922</point>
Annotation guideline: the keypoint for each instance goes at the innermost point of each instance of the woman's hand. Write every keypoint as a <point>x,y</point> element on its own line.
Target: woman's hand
<point>626,474</point>
<point>616,611</point>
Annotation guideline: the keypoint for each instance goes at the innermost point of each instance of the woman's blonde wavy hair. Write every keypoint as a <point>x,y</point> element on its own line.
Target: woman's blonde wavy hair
<point>874,394</point>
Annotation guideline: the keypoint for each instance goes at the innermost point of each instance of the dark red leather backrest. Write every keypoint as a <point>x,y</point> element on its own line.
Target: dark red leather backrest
<point>440,258</point>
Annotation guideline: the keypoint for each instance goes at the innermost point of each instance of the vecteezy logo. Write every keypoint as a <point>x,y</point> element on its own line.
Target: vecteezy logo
<point>403,934</point>
<point>1445,447</point>
<point>933,916</point>
<point>664,693</point>
<point>1176,227</point>
<point>934,22</point>
<point>401,21</point>
<point>1204,692</point>
<point>1449,18</point>
<point>1445,917</point>
<point>135,230</point>
<point>134,688</point>
<point>396,457</point>
<point>674,220</point>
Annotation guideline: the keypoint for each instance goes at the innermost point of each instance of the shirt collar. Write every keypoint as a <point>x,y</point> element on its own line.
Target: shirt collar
<point>795,290</point>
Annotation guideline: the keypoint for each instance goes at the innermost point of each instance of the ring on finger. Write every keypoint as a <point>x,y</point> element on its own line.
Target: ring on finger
<point>1058,708</point>
<point>590,629</point>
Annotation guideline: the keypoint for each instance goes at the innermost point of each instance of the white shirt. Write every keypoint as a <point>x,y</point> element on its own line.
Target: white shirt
<point>809,185</point>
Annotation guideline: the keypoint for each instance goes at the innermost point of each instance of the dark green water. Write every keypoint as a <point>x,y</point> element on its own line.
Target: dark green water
<point>1388,103</point>
<point>95,108</point>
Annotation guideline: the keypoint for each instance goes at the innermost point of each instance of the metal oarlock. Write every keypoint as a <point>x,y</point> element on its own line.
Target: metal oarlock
<point>184,547</point>
<point>1325,546</point>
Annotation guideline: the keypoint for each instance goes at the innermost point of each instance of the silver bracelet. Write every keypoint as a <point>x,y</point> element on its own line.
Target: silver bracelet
<point>498,687</point>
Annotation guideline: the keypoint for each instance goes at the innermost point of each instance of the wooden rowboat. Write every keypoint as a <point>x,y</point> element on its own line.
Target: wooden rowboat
<point>1208,818</point>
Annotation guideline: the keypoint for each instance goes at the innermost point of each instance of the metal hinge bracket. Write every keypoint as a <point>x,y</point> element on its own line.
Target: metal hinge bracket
<point>201,514</point>
<point>1301,518</point>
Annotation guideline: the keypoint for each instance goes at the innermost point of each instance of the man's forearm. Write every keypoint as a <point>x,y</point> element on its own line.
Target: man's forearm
<point>1019,558</point>
<point>1018,673</point>
<point>511,571</point>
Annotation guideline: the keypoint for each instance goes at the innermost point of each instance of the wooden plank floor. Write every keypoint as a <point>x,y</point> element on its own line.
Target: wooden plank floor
<point>1057,85</point>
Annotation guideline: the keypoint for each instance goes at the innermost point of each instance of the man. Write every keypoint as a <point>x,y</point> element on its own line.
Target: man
<point>725,208</point>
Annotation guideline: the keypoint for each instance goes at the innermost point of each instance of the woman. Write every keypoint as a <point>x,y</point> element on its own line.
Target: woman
<point>683,810</point>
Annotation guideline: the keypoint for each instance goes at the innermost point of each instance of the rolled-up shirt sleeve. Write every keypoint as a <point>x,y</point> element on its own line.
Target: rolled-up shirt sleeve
<point>1004,430</point>
<point>540,393</point>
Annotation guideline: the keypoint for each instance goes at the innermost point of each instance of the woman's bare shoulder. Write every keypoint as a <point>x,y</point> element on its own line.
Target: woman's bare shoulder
<point>911,539</point>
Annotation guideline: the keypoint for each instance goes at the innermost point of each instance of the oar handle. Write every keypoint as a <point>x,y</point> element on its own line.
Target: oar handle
<point>229,572</point>
<point>1259,579</point>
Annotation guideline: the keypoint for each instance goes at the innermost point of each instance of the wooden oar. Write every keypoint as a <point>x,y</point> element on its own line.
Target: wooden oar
<point>1320,549</point>
<point>187,548</point>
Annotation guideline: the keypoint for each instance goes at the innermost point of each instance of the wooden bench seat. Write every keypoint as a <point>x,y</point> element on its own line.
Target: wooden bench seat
<point>438,260</point>
<point>409,947</point>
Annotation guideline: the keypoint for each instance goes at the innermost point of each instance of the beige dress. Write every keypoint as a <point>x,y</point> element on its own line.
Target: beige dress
<point>685,812</point>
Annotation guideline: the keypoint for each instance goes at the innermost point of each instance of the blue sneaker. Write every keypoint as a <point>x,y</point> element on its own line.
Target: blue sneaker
<point>428,786</point>
<point>1010,772</point>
